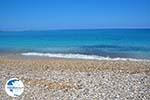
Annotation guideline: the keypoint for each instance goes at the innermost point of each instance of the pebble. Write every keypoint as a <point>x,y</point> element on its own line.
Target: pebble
<point>70,85</point>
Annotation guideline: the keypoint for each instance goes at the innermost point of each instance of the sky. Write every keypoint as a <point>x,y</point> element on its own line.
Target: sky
<point>73,14</point>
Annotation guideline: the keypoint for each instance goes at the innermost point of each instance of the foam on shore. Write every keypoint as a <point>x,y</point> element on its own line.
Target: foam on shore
<point>79,56</point>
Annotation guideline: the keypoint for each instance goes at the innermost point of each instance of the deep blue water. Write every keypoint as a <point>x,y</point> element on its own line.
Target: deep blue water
<point>126,43</point>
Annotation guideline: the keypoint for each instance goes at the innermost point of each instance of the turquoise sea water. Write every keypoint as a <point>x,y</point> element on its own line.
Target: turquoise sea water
<point>110,43</point>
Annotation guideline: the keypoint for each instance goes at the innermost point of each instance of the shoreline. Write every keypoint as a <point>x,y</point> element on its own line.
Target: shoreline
<point>76,56</point>
<point>79,64</point>
<point>80,56</point>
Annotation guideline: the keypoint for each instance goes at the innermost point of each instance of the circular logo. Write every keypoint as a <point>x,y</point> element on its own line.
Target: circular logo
<point>14,87</point>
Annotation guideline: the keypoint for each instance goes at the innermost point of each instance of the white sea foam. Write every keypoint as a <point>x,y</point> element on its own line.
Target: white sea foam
<point>79,56</point>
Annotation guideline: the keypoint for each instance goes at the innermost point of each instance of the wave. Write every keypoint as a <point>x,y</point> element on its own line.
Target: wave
<point>79,56</point>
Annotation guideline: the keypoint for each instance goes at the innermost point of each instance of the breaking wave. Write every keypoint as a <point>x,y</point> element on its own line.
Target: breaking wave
<point>79,56</point>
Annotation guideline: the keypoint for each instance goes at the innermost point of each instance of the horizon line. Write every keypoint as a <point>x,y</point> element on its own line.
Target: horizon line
<point>70,29</point>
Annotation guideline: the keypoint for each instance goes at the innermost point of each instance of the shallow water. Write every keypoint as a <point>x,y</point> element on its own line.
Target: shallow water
<point>110,43</point>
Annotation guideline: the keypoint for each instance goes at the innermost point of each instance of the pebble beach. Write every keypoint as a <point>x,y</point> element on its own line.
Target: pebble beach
<point>75,79</point>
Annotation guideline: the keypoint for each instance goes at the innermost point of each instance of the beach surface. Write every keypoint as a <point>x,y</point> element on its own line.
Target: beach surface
<point>75,79</point>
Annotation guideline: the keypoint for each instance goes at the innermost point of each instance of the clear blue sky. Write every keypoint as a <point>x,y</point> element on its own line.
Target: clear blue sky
<point>70,14</point>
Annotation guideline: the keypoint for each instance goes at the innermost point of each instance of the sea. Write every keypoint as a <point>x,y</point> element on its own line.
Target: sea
<point>95,44</point>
